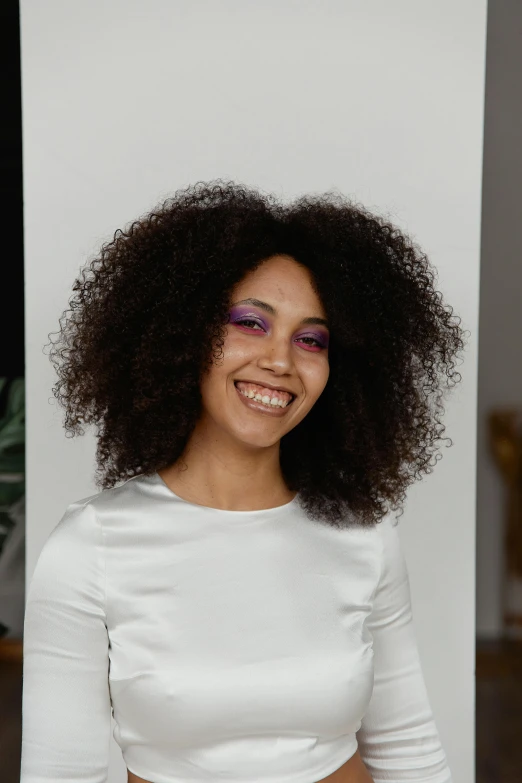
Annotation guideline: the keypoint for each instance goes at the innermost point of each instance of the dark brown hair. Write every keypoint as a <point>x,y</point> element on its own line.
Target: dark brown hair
<point>147,316</point>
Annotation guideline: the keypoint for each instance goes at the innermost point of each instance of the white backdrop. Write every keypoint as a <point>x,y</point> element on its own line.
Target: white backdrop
<point>124,102</point>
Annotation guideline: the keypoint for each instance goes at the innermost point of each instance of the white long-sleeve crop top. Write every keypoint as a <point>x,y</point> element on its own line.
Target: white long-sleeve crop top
<point>236,646</point>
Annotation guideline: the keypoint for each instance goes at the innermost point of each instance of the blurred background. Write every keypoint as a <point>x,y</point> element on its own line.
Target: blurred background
<point>12,403</point>
<point>499,408</point>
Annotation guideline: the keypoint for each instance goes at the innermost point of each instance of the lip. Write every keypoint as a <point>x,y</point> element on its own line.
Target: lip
<point>261,407</point>
<point>266,385</point>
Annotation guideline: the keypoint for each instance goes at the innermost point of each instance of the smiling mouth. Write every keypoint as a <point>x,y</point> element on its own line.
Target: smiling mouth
<point>267,405</point>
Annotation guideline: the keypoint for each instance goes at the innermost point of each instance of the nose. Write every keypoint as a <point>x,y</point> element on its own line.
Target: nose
<point>276,354</point>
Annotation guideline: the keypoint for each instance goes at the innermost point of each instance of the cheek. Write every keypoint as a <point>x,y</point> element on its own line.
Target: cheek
<point>214,382</point>
<point>237,347</point>
<point>315,377</point>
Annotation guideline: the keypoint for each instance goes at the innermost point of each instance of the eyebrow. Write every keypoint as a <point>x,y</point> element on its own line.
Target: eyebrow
<point>273,311</point>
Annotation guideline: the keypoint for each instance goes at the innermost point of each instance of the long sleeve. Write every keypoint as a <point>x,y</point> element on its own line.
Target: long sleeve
<point>398,739</point>
<point>66,708</point>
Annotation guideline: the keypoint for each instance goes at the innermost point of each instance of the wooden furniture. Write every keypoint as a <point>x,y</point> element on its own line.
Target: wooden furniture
<point>505,439</point>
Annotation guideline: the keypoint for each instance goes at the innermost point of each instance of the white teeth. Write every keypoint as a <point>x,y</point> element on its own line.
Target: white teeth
<point>274,401</point>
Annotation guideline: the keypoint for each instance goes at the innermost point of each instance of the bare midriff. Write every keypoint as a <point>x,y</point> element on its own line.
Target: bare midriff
<point>352,771</point>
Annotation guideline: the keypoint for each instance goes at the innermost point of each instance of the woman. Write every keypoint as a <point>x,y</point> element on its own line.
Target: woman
<point>266,383</point>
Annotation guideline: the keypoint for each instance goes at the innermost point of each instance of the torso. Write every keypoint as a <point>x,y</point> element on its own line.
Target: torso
<point>353,771</point>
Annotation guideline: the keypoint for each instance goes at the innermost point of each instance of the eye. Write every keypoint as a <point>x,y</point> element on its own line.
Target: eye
<point>314,341</point>
<point>315,344</point>
<point>247,321</point>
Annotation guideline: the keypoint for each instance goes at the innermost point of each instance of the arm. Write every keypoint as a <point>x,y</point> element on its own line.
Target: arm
<point>66,708</point>
<point>398,738</point>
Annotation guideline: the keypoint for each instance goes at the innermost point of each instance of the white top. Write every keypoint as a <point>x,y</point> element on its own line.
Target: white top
<point>235,646</point>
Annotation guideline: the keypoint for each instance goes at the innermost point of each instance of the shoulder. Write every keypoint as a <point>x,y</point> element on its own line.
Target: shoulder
<point>70,574</point>
<point>390,542</point>
<point>72,558</point>
<point>392,590</point>
<point>71,552</point>
<point>78,538</point>
<point>82,522</point>
<point>386,531</point>
<point>77,527</point>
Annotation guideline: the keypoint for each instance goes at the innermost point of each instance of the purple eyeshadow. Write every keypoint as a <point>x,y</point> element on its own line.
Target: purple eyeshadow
<point>245,311</point>
<point>320,337</point>
<point>236,313</point>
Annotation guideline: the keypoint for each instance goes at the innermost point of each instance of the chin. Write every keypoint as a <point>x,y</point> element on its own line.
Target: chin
<point>259,440</point>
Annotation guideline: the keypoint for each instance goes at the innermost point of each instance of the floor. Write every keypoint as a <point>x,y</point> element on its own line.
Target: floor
<point>498,724</point>
<point>499,712</point>
<point>10,720</point>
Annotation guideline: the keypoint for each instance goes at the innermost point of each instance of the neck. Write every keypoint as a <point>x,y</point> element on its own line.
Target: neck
<point>226,474</point>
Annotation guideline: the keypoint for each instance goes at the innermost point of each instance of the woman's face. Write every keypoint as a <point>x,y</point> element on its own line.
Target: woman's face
<point>277,342</point>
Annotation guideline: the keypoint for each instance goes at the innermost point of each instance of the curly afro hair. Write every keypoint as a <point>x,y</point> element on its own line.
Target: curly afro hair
<point>148,314</point>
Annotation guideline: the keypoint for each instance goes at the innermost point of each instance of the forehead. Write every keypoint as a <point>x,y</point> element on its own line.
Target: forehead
<point>280,280</point>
